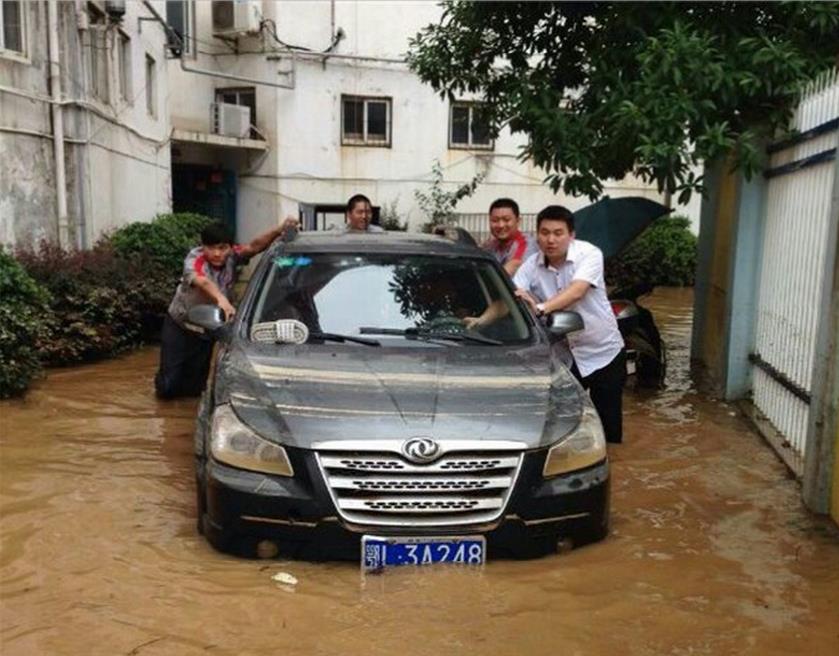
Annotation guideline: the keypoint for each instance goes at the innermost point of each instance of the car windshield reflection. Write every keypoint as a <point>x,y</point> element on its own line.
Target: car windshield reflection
<point>408,296</point>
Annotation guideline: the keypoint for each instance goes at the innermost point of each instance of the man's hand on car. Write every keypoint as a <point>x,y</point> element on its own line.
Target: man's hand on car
<point>528,298</point>
<point>227,308</point>
<point>472,322</point>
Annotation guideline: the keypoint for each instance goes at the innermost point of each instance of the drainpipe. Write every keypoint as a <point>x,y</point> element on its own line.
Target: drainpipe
<point>57,125</point>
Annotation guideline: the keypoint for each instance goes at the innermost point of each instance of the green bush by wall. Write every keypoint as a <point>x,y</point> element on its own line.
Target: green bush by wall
<point>111,298</point>
<point>164,241</point>
<point>24,326</point>
<point>664,255</point>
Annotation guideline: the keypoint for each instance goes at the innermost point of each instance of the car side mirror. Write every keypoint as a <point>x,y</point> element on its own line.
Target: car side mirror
<point>565,322</point>
<point>208,317</point>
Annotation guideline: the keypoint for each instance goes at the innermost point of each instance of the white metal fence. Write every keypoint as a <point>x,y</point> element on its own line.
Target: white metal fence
<point>800,182</point>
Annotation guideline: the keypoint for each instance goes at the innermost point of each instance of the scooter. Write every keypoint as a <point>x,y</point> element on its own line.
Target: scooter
<point>646,354</point>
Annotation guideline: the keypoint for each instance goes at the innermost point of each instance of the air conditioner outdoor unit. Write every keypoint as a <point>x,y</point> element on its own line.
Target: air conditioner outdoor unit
<point>235,17</point>
<point>230,120</point>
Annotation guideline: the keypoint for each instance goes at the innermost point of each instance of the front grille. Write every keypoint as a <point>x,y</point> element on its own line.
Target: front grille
<point>386,490</point>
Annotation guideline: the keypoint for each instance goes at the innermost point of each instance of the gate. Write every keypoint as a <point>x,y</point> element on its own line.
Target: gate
<point>800,182</point>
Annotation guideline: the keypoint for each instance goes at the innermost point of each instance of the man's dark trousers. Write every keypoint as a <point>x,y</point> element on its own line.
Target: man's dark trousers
<point>606,388</point>
<point>184,361</point>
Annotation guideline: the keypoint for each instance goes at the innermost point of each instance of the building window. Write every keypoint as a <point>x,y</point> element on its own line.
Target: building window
<point>365,121</point>
<point>151,84</point>
<point>124,53</point>
<point>467,128</point>
<point>244,96</point>
<point>97,53</point>
<point>11,26</point>
<point>179,15</point>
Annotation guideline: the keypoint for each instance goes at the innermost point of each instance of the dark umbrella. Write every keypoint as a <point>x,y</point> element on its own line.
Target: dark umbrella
<point>611,223</point>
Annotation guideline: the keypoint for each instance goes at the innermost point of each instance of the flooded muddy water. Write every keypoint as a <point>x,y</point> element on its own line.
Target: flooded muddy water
<point>711,550</point>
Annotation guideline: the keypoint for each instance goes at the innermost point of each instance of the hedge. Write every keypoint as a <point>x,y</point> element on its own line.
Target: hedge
<point>64,307</point>
<point>664,255</point>
<point>24,326</point>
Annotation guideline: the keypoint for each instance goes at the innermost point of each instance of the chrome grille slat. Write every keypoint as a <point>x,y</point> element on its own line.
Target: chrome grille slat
<point>392,462</point>
<point>384,489</point>
<point>448,504</point>
<point>429,484</point>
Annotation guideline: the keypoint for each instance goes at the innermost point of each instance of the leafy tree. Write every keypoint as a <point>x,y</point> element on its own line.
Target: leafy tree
<point>437,203</point>
<point>603,89</point>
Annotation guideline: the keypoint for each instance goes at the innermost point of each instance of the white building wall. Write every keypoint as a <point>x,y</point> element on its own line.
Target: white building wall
<point>116,154</point>
<point>306,162</point>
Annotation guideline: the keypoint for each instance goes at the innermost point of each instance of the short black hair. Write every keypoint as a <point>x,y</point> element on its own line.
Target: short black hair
<point>216,233</point>
<point>556,213</point>
<point>355,200</point>
<point>505,202</point>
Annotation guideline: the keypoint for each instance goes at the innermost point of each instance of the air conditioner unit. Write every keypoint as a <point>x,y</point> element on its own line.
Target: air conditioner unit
<point>235,17</point>
<point>230,120</point>
<point>115,10</point>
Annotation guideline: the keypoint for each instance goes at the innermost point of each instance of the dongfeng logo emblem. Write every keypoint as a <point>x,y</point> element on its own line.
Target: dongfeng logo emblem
<point>421,450</point>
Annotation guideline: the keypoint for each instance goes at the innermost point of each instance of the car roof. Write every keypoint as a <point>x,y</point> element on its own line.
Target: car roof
<point>376,242</point>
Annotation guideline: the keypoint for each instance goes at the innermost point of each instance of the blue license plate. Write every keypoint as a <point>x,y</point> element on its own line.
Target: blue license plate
<point>379,552</point>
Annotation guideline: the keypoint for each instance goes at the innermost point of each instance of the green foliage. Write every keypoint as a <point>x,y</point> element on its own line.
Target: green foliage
<point>605,89</point>
<point>97,300</point>
<point>437,203</point>
<point>164,241</point>
<point>663,255</point>
<point>389,217</point>
<point>24,320</point>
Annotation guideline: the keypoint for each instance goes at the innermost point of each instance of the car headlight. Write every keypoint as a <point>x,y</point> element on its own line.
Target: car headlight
<point>233,443</point>
<point>583,447</point>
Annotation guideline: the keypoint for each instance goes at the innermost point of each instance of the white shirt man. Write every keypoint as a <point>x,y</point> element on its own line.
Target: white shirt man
<point>567,274</point>
<point>600,341</point>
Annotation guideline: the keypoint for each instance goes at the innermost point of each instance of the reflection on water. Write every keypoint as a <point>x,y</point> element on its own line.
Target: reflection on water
<point>710,552</point>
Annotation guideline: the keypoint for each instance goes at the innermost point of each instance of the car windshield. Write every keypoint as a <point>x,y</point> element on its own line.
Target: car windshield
<point>390,299</point>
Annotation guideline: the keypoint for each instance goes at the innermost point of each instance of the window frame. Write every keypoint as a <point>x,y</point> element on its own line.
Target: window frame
<point>151,85</point>
<point>190,45</point>
<point>99,54</point>
<point>21,55</point>
<point>239,91</point>
<point>470,105</point>
<point>124,68</point>
<point>365,141</point>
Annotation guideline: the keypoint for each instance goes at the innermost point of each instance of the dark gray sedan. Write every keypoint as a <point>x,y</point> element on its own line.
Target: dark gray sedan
<point>352,414</point>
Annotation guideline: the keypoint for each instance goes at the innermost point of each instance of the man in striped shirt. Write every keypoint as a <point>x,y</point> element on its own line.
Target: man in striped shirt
<point>508,244</point>
<point>210,271</point>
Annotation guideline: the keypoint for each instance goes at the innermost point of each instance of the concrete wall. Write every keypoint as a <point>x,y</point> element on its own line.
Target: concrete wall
<point>116,154</point>
<point>306,162</point>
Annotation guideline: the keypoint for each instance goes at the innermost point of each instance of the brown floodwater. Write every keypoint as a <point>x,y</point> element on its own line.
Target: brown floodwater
<point>711,550</point>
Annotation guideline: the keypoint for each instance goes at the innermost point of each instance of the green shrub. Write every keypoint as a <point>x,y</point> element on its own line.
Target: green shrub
<point>664,255</point>
<point>24,320</point>
<point>164,241</point>
<point>97,300</point>
<point>159,248</point>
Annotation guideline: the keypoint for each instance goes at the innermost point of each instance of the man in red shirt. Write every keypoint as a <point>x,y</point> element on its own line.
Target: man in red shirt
<point>508,244</point>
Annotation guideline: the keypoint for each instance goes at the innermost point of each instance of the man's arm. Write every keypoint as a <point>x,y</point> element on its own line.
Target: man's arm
<point>211,289</point>
<point>494,311</point>
<point>511,266</point>
<point>567,297</point>
<point>263,241</point>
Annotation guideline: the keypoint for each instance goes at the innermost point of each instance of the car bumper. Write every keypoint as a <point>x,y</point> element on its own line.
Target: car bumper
<point>240,509</point>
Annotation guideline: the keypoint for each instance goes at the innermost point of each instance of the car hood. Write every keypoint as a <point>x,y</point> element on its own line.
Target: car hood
<point>306,396</point>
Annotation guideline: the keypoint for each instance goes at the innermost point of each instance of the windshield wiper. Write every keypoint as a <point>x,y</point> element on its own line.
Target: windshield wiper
<point>336,337</point>
<point>419,333</point>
